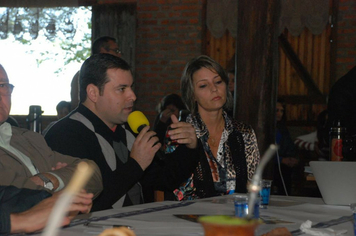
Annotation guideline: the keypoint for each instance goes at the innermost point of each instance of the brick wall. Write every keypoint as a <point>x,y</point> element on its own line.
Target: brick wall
<point>169,33</point>
<point>346,37</point>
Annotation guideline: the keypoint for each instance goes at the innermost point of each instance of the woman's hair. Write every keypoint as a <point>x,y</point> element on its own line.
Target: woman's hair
<point>169,99</point>
<point>283,103</point>
<point>186,83</point>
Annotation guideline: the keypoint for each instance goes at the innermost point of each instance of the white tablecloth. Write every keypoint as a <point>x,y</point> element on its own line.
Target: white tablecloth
<point>162,219</point>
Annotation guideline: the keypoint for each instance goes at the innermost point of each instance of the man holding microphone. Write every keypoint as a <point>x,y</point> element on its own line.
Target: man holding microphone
<point>94,130</point>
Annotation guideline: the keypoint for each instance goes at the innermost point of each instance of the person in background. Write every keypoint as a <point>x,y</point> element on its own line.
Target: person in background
<point>104,44</point>
<point>94,130</point>
<point>74,91</point>
<point>170,104</point>
<point>27,161</point>
<point>107,45</point>
<point>342,102</point>
<point>286,156</point>
<point>316,141</point>
<point>63,109</point>
<point>231,153</point>
<point>342,111</point>
<point>26,210</point>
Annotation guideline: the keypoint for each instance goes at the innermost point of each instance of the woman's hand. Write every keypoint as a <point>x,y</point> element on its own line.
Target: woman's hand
<point>183,133</point>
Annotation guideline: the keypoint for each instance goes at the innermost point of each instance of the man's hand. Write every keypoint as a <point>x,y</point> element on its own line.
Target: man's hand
<point>38,181</point>
<point>59,165</point>
<point>82,202</point>
<point>36,218</point>
<point>183,133</point>
<point>145,147</point>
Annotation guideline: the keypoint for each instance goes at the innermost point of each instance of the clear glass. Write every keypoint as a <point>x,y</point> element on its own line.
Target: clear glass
<point>265,192</point>
<point>241,207</point>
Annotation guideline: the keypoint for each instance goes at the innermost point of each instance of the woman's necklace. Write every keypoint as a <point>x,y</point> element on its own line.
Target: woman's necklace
<point>212,142</point>
<point>214,139</point>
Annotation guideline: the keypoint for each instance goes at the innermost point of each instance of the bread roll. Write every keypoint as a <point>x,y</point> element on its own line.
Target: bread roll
<point>282,231</point>
<point>120,231</point>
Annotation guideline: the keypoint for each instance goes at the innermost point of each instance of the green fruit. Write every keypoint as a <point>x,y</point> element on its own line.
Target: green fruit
<point>226,220</point>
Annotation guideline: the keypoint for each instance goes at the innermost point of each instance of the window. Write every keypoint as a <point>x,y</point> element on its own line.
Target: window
<point>42,69</point>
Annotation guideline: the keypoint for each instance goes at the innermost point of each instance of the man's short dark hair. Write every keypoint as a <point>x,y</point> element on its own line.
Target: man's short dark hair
<point>62,104</point>
<point>93,71</point>
<point>102,42</point>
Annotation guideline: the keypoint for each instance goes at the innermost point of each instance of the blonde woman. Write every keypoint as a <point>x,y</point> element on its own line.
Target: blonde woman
<point>231,152</point>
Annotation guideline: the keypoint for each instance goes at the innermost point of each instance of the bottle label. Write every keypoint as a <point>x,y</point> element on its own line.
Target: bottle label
<point>336,150</point>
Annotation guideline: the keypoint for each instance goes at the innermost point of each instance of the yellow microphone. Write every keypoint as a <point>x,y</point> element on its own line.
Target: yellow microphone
<point>137,121</point>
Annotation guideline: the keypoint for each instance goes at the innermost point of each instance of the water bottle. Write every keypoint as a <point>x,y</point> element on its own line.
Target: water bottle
<point>34,121</point>
<point>183,114</point>
<point>336,136</point>
<point>170,145</point>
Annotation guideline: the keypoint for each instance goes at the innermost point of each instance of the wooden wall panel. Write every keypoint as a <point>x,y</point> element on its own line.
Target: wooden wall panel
<point>314,53</point>
<point>221,49</point>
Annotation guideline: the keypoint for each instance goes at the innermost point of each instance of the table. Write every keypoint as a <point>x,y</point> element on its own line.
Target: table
<point>160,218</point>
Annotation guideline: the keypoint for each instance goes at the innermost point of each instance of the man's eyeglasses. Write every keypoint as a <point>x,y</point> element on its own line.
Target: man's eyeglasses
<point>6,88</point>
<point>116,50</point>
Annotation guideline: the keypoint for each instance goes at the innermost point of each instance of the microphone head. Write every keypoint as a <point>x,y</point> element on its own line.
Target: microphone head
<point>137,120</point>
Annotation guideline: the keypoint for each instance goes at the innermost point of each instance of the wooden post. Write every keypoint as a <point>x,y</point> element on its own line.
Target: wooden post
<point>158,196</point>
<point>257,69</point>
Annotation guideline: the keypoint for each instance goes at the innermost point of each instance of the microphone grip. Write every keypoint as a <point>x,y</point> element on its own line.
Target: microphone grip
<point>160,154</point>
<point>141,127</point>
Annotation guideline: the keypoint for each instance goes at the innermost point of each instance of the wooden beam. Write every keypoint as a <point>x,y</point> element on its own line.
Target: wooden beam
<point>313,89</point>
<point>257,69</point>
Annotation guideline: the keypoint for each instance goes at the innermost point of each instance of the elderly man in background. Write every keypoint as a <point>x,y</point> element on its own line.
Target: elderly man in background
<point>26,161</point>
